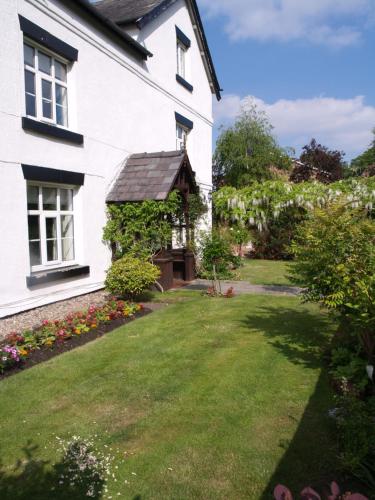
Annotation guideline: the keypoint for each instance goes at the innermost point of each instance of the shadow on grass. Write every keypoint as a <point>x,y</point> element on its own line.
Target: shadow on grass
<point>34,479</point>
<point>309,457</point>
<point>302,337</point>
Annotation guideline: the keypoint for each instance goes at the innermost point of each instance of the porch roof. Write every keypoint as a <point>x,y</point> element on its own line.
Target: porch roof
<point>152,176</point>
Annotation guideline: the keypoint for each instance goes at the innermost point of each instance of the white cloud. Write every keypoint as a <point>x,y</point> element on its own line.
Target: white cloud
<point>343,124</point>
<point>337,23</point>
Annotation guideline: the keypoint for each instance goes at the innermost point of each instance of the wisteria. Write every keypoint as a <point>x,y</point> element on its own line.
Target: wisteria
<point>260,203</point>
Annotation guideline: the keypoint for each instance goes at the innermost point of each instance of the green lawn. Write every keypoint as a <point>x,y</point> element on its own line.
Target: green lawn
<point>264,272</point>
<point>211,399</point>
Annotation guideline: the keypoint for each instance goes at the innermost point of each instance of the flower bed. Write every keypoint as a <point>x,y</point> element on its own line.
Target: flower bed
<point>53,337</point>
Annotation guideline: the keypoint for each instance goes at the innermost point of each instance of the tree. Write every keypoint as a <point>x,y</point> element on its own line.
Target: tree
<point>360,165</point>
<point>318,162</point>
<point>246,151</point>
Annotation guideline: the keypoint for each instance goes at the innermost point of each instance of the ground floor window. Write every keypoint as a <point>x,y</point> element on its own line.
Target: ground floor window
<point>50,214</point>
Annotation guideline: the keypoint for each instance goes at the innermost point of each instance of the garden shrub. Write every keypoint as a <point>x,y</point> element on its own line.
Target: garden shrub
<point>335,258</point>
<point>130,276</point>
<point>355,420</point>
<point>217,257</point>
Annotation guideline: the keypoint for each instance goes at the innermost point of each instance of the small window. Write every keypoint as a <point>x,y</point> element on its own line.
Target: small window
<point>46,91</point>
<point>181,137</point>
<point>51,226</point>
<point>181,59</point>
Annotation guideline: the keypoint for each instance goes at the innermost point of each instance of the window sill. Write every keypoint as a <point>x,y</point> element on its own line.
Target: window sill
<point>184,83</point>
<point>42,277</point>
<point>51,130</point>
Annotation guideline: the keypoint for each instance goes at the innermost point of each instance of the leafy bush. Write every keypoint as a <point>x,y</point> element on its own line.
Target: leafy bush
<point>130,276</point>
<point>335,258</point>
<point>349,366</point>
<point>217,258</point>
<point>355,420</point>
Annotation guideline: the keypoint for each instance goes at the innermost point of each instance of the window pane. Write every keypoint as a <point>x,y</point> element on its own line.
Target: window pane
<point>30,93</point>
<point>60,71</point>
<point>67,226</point>
<point>49,199</point>
<point>44,63</point>
<point>32,198</point>
<point>67,246</point>
<point>34,232</point>
<point>66,199</point>
<point>61,116</point>
<point>51,227</point>
<point>61,105</point>
<point>29,55</point>
<point>34,249</point>
<point>30,105</point>
<point>46,90</point>
<point>51,250</point>
<point>47,109</point>
<point>60,95</point>
<point>47,98</point>
<point>29,82</point>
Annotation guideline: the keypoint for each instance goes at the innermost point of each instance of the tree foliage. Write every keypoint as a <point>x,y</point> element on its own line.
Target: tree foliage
<point>363,161</point>
<point>319,163</point>
<point>246,151</point>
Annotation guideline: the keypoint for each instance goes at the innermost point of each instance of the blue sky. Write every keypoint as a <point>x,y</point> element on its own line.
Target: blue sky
<point>310,64</point>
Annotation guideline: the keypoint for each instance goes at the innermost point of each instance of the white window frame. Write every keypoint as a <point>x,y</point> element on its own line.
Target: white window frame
<point>181,50</point>
<point>181,143</point>
<point>45,214</point>
<point>39,76</point>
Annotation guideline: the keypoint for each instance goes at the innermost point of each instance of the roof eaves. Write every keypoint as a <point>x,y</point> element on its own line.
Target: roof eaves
<point>137,48</point>
<point>206,49</point>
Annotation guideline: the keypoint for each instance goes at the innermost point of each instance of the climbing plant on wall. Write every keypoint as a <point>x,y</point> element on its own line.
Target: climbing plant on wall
<point>143,228</point>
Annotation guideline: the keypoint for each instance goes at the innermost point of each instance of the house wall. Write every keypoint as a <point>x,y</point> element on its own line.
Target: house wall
<point>120,105</point>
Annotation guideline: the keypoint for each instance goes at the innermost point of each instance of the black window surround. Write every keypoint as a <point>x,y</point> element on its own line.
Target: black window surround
<point>181,37</point>
<point>43,174</point>
<point>184,83</point>
<point>43,277</point>
<point>51,131</point>
<point>185,122</point>
<point>48,40</point>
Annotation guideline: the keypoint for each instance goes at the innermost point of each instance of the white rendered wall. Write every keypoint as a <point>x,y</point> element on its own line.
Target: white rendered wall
<point>121,107</point>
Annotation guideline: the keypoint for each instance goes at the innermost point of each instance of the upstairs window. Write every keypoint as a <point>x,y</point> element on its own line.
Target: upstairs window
<point>51,226</point>
<point>181,59</point>
<point>46,90</point>
<point>181,137</point>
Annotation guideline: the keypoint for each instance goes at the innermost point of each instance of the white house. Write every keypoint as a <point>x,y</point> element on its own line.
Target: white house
<point>82,87</point>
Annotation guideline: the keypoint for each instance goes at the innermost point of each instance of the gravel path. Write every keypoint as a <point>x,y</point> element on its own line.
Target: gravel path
<point>241,287</point>
<point>57,310</point>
